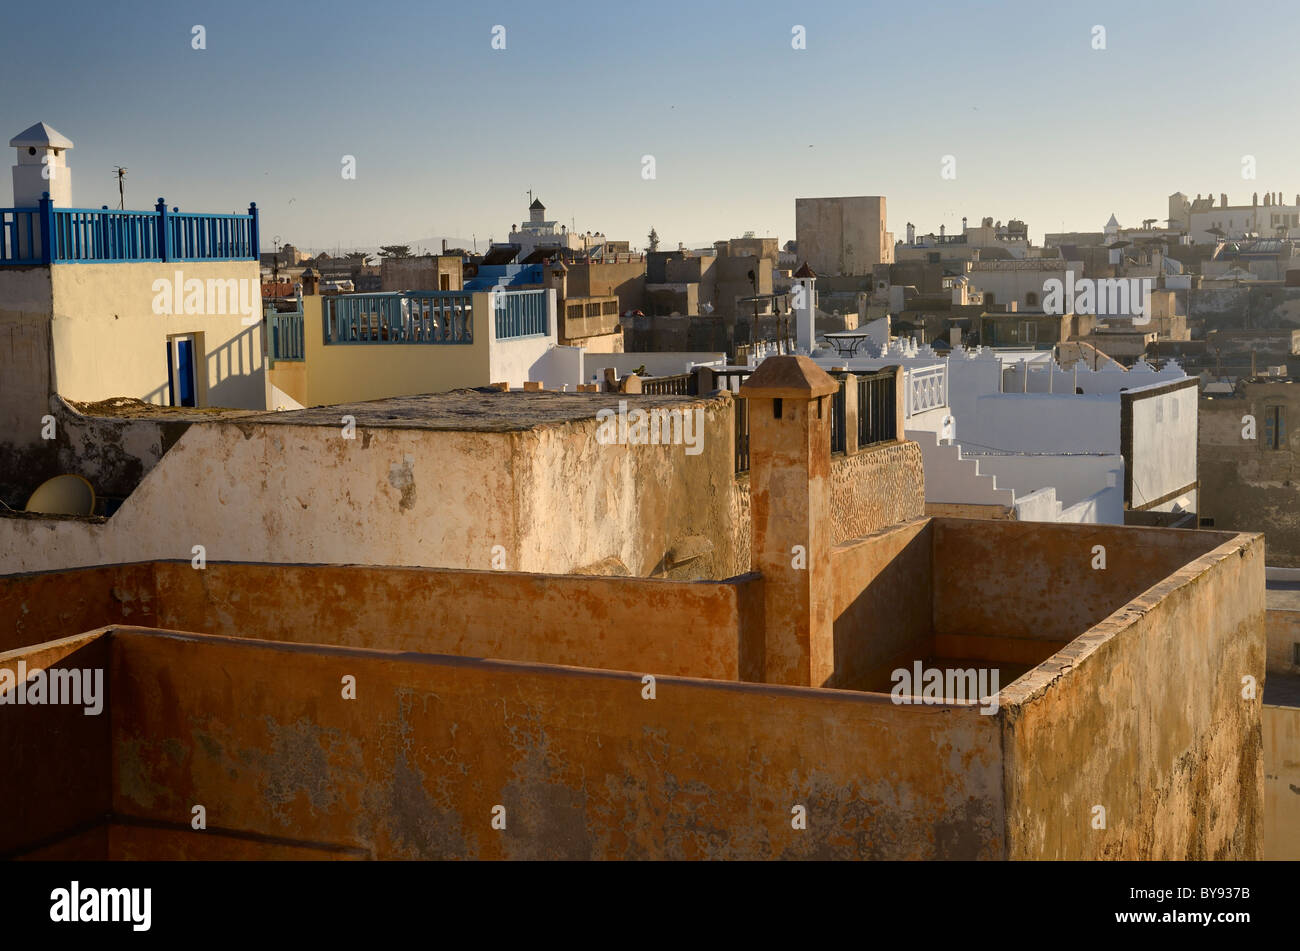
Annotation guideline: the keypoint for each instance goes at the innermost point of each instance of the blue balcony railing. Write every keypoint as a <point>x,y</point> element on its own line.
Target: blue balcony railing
<point>519,313</point>
<point>401,317</point>
<point>284,334</point>
<point>49,235</point>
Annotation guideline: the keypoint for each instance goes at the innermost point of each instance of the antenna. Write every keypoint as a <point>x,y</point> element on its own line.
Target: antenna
<point>120,172</point>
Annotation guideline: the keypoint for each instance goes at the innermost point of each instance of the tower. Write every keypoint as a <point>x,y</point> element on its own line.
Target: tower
<point>536,212</point>
<point>790,541</point>
<point>42,167</point>
<point>805,307</point>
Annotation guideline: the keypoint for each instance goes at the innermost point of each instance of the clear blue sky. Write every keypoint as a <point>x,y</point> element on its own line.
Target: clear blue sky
<point>449,134</point>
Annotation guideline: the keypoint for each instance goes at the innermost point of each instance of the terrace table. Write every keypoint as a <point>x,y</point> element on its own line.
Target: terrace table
<point>846,342</point>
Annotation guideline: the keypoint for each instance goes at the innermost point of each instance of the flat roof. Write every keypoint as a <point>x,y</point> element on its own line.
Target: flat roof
<point>480,409</point>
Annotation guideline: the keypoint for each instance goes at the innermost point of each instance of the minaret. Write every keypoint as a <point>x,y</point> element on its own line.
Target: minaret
<point>804,297</point>
<point>42,167</point>
<point>536,212</point>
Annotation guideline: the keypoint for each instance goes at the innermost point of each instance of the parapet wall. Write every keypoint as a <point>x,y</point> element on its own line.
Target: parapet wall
<point>554,498</point>
<point>1141,739</point>
<point>582,763</point>
<point>706,629</point>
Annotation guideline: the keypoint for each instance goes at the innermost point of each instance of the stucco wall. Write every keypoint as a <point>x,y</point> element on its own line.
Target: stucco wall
<point>1158,430</point>
<point>54,786</point>
<point>1281,739</point>
<point>1245,485</point>
<point>1036,580</point>
<point>341,373</point>
<point>25,358</point>
<point>1073,477</point>
<point>1037,422</point>
<point>1283,636</point>
<point>842,236</point>
<point>875,630</point>
<point>584,766</point>
<point>578,621</point>
<point>553,497</point>
<point>102,309</point>
<point>1145,717</point>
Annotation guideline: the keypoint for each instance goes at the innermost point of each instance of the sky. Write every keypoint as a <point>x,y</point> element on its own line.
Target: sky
<point>449,134</point>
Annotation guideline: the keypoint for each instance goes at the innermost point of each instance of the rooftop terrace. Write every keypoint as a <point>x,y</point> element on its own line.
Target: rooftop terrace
<point>46,235</point>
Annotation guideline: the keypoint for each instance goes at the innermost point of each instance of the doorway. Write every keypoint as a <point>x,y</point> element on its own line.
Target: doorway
<point>181,383</point>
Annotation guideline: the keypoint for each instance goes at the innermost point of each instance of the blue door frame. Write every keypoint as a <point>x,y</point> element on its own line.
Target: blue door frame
<point>180,371</point>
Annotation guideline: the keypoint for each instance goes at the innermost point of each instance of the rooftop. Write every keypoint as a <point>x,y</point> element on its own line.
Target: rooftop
<point>480,409</point>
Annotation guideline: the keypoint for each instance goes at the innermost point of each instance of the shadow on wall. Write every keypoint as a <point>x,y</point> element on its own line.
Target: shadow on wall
<point>234,373</point>
<point>237,371</point>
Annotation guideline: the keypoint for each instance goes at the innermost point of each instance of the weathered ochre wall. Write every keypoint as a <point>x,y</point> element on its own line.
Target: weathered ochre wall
<point>1281,730</point>
<point>876,629</point>
<point>576,621</point>
<point>1144,716</point>
<point>56,758</point>
<point>584,767</point>
<point>878,486</point>
<point>51,605</point>
<point>1036,580</point>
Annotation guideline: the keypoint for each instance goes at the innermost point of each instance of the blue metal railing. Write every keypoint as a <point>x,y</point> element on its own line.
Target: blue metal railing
<point>400,317</point>
<point>284,331</point>
<point>20,236</point>
<point>83,234</point>
<point>519,313</point>
<point>49,235</point>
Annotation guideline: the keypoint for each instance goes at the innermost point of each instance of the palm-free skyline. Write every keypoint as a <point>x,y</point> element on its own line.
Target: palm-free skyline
<point>449,133</point>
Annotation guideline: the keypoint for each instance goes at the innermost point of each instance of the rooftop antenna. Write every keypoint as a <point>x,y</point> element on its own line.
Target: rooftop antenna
<point>120,172</point>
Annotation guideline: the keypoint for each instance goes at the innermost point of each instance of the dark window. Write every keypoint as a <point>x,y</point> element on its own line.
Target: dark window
<point>1275,427</point>
<point>1207,523</point>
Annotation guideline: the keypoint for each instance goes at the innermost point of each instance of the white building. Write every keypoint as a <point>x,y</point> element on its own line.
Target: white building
<point>1265,218</point>
<point>538,232</point>
<point>1016,433</point>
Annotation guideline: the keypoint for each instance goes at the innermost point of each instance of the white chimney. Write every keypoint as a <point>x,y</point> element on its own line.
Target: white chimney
<point>42,167</point>
<point>804,296</point>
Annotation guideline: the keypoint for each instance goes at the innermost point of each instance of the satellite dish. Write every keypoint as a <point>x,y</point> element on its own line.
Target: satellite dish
<point>63,495</point>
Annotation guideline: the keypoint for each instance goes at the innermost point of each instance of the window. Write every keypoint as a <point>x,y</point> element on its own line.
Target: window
<point>1207,523</point>
<point>1295,654</point>
<point>1031,299</point>
<point>1275,427</point>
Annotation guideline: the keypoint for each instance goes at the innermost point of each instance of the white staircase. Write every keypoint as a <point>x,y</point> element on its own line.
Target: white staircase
<point>953,478</point>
